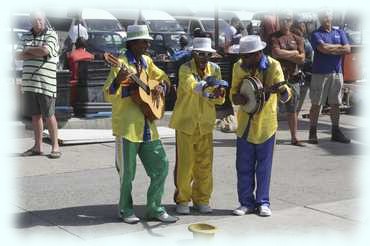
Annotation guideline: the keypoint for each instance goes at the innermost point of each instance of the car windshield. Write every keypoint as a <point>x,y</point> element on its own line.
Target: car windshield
<point>165,26</point>
<point>209,25</point>
<point>100,42</point>
<point>103,25</point>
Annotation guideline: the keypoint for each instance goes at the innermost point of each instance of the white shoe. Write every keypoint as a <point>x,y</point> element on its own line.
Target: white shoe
<point>132,219</point>
<point>243,211</point>
<point>264,211</point>
<point>182,208</point>
<point>166,218</point>
<point>203,209</point>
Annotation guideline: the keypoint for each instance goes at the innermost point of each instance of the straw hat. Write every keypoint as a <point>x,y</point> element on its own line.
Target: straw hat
<point>248,44</point>
<point>203,44</point>
<point>135,32</point>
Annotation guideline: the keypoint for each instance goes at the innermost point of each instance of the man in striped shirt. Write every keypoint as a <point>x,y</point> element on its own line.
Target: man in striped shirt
<point>39,51</point>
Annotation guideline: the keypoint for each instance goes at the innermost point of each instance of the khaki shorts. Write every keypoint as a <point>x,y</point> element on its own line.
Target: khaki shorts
<point>326,88</point>
<point>38,104</point>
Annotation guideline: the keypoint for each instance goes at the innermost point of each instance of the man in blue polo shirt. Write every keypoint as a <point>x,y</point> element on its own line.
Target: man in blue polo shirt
<point>329,45</point>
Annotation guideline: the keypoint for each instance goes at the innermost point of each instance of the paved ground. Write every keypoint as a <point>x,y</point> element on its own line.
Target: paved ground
<point>314,191</point>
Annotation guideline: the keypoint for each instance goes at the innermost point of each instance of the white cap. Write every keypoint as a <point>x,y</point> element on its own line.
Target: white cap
<point>135,32</point>
<point>203,44</point>
<point>248,44</point>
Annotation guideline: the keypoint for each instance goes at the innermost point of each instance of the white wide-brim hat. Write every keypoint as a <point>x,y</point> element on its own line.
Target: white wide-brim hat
<point>203,44</point>
<point>248,44</point>
<point>135,32</point>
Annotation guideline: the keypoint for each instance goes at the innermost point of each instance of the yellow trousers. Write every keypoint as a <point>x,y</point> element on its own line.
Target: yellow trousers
<point>193,170</point>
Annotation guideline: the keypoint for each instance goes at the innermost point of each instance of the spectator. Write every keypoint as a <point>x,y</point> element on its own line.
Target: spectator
<point>299,28</point>
<point>76,31</point>
<point>269,25</point>
<point>329,45</point>
<point>230,33</point>
<point>39,51</point>
<point>288,49</point>
<point>77,55</point>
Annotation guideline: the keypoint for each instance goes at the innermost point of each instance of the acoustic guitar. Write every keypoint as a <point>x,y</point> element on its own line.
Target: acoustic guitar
<point>151,104</point>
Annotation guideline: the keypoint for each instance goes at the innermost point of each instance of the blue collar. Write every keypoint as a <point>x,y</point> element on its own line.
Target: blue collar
<point>321,29</point>
<point>263,64</point>
<point>131,59</point>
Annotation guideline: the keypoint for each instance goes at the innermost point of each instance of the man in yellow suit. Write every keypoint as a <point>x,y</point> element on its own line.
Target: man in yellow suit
<point>200,89</point>
<point>256,132</point>
<point>135,134</point>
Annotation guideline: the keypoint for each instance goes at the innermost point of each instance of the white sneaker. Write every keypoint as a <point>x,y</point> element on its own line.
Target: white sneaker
<point>243,210</point>
<point>203,209</point>
<point>264,211</point>
<point>166,218</point>
<point>132,219</point>
<point>182,208</point>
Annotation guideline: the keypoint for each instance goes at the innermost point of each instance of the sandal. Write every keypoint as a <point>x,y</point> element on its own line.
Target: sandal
<point>55,154</point>
<point>31,152</point>
<point>297,143</point>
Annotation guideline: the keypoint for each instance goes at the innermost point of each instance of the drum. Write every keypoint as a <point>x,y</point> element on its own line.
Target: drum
<point>252,88</point>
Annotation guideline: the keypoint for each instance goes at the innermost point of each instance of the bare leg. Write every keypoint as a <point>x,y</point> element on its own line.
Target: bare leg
<point>314,115</point>
<point>292,122</point>
<point>334,114</point>
<point>38,126</point>
<point>53,132</point>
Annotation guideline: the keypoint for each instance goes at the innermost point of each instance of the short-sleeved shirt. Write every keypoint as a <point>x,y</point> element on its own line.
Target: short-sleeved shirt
<point>289,41</point>
<point>327,63</point>
<point>39,74</point>
<point>230,32</point>
<point>77,55</point>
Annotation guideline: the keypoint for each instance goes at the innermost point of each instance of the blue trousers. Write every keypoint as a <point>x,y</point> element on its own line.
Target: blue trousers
<point>253,166</point>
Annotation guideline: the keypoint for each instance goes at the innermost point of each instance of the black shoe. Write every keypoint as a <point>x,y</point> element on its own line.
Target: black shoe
<point>338,136</point>
<point>312,138</point>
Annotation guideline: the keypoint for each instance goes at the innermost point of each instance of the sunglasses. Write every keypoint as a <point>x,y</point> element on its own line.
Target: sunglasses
<point>204,54</point>
<point>248,55</point>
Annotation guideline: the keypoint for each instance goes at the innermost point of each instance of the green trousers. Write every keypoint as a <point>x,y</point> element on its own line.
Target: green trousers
<point>155,162</point>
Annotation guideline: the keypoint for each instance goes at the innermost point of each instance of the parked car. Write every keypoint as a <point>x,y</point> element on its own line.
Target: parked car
<point>245,17</point>
<point>205,24</point>
<point>98,43</point>
<point>100,20</point>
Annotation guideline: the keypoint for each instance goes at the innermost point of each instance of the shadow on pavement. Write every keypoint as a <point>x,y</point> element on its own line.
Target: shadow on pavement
<point>92,215</point>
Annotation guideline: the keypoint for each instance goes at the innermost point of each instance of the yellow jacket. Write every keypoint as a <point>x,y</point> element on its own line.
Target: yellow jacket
<point>263,124</point>
<point>193,110</point>
<point>127,118</point>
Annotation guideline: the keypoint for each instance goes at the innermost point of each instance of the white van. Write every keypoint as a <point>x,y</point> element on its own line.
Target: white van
<point>246,18</point>
<point>100,20</point>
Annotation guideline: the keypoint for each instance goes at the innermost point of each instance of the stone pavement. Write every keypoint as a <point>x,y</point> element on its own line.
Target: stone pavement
<point>314,191</point>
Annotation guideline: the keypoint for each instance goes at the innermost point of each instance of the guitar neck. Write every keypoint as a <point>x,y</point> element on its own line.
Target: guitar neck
<point>137,80</point>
